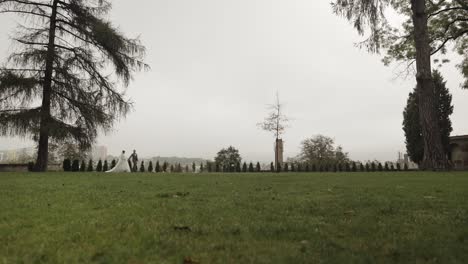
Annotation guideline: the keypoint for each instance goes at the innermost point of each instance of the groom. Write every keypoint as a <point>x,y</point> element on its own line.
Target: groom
<point>133,160</point>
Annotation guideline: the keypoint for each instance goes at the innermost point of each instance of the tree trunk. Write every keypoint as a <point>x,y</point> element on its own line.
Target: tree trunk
<point>434,154</point>
<point>43,145</point>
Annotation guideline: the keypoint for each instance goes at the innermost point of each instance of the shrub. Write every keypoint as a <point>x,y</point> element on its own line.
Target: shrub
<point>150,166</point>
<point>105,167</point>
<point>99,166</point>
<point>67,165</point>
<point>75,165</point>
<point>83,166</point>
<point>90,166</point>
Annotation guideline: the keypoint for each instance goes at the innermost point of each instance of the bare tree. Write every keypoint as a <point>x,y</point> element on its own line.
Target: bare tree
<point>276,123</point>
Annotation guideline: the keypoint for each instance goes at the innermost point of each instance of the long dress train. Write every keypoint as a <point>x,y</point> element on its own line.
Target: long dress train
<point>121,166</point>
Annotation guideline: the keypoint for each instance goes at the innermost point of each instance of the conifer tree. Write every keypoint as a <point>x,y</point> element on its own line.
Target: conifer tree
<point>340,167</point>
<point>113,163</point>
<point>379,166</point>
<point>373,167</point>
<point>354,167</point>
<point>279,167</point>
<point>299,167</point>
<point>251,167</point>
<point>258,167</point>
<point>142,166</point>
<point>150,166</point>
<point>406,167</point>
<point>165,167</point>
<point>347,167</point>
<point>368,167</point>
<point>67,165</point>
<point>105,167</point>
<point>90,166</point>
<point>386,167</point>
<point>64,54</point>
<point>361,167</point>
<point>244,167</point>
<point>83,166</point>
<point>335,167</point>
<point>194,167</point>
<point>76,165</point>
<point>272,167</point>
<point>201,167</point>
<point>392,168</point>
<point>217,168</point>
<point>99,166</point>
<point>157,168</point>
<point>187,168</point>
<point>286,167</point>
<point>209,166</point>
<point>238,167</point>
<point>171,168</point>
<point>398,166</point>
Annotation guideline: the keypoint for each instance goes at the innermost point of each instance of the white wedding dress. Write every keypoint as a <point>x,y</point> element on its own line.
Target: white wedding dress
<point>121,166</point>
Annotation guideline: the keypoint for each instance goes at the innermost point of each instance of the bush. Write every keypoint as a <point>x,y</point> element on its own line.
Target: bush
<point>99,166</point>
<point>105,167</point>
<point>83,166</point>
<point>76,166</point>
<point>90,166</point>
<point>67,165</point>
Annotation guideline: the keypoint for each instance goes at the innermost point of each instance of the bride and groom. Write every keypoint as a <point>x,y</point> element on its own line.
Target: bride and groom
<point>123,165</point>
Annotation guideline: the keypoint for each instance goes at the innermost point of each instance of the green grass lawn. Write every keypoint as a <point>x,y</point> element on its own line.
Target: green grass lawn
<point>234,218</point>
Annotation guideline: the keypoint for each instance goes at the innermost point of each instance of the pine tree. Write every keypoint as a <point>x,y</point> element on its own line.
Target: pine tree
<point>354,167</point>
<point>320,167</point>
<point>373,167</point>
<point>209,166</point>
<point>157,168</point>
<point>105,167</point>
<point>299,167</point>
<point>286,167</point>
<point>194,167</point>
<point>99,166</point>
<point>113,163</point>
<point>335,167</point>
<point>238,167</point>
<point>361,167</point>
<point>398,166</point>
<point>340,167</point>
<point>392,168</point>
<point>258,167</point>
<point>150,166</point>
<point>406,167</point>
<point>187,168</point>
<point>76,165</point>
<point>142,166</point>
<point>90,166</point>
<point>65,51</point>
<point>386,167</point>
<point>244,167</point>
<point>172,168</point>
<point>217,168</point>
<point>201,167</point>
<point>347,167</point>
<point>251,167</point>
<point>165,167</point>
<point>367,167</point>
<point>67,165</point>
<point>278,168</point>
<point>272,167</point>
<point>379,166</point>
<point>83,166</point>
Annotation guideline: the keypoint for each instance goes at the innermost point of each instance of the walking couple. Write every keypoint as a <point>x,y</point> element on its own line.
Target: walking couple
<point>124,164</point>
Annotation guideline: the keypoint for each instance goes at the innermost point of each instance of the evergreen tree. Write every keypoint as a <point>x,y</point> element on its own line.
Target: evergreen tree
<point>90,166</point>
<point>373,167</point>
<point>354,167</point>
<point>201,167</point>
<point>65,51</point>
<point>272,167</point>
<point>113,163</point>
<point>258,167</point>
<point>347,167</point>
<point>367,167</point>
<point>244,167</point>
<point>335,167</point>
<point>142,166</point>
<point>398,166</point>
<point>251,167</point>
<point>238,167</point>
<point>99,166</point>
<point>286,167</point>
<point>406,167</point>
<point>171,168</point>
<point>105,167</point>
<point>361,167</point>
<point>340,167</point>
<point>380,168</point>
<point>165,167</point>
<point>67,165</point>
<point>83,166</point>
<point>209,166</point>
<point>386,167</point>
<point>279,168</point>
<point>135,168</point>
<point>157,168</point>
<point>320,167</point>
<point>76,165</point>
<point>150,166</point>
<point>194,167</point>
<point>412,125</point>
<point>187,168</point>
<point>392,168</point>
<point>217,168</point>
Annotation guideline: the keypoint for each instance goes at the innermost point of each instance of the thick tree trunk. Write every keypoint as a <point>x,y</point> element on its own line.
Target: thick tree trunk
<point>434,154</point>
<point>43,144</point>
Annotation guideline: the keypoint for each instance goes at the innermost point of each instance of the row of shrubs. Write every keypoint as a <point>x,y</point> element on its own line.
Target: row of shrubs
<point>76,166</point>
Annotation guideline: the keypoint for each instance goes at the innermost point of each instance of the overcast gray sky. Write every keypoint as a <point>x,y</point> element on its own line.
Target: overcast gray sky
<point>217,64</point>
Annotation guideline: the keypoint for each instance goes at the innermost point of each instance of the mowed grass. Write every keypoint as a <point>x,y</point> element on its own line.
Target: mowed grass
<point>416,217</point>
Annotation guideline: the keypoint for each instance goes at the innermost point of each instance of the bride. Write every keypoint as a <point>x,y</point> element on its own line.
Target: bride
<point>122,164</point>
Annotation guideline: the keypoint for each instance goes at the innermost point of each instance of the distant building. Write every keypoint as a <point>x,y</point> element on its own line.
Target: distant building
<point>99,153</point>
<point>458,155</point>
<point>17,155</point>
<point>404,159</point>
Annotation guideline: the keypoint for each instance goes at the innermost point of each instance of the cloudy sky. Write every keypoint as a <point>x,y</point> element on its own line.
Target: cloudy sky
<point>217,64</point>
